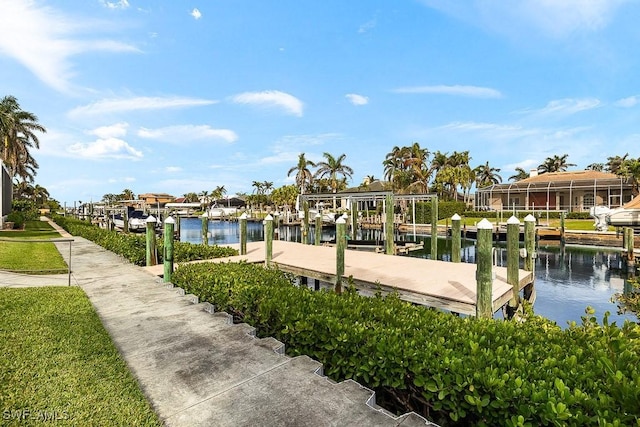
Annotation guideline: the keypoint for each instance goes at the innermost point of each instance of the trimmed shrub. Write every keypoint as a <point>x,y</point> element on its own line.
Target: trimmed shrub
<point>454,371</point>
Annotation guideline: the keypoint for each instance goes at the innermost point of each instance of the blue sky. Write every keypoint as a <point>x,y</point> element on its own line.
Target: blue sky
<point>175,96</point>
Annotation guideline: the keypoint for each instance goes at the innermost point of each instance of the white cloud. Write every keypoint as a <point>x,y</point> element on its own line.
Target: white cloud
<point>137,103</point>
<point>369,25</point>
<point>567,106</point>
<point>184,133</point>
<point>628,102</point>
<point>289,103</point>
<point>356,99</point>
<point>173,169</point>
<point>548,18</point>
<point>196,14</point>
<point>117,130</point>
<point>108,148</point>
<point>120,4</point>
<point>458,90</point>
<point>47,41</point>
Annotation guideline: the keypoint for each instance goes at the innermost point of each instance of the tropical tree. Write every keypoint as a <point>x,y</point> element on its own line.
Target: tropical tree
<point>285,196</point>
<point>614,163</point>
<point>258,187</point>
<point>17,136</point>
<point>331,168</point>
<point>304,177</point>
<point>110,198</point>
<point>487,175</point>
<point>596,167</point>
<point>453,172</point>
<point>127,194</point>
<point>555,164</point>
<point>519,175</point>
<point>406,168</point>
<point>267,187</point>
<point>190,197</point>
<point>630,168</point>
<point>205,198</point>
<point>40,195</point>
<point>218,193</point>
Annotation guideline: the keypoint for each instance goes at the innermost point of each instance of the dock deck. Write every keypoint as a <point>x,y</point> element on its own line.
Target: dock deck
<point>438,284</point>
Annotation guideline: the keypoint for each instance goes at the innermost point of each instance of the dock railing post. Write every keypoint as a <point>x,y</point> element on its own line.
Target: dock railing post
<point>305,223</point>
<point>354,218</point>
<point>513,261</point>
<point>167,258</point>
<point>456,238</point>
<point>341,242</point>
<point>484,270</point>
<point>530,249</point>
<point>434,228</point>
<point>205,229</point>
<point>629,240</point>
<point>151,241</point>
<point>243,233</point>
<point>389,231</point>
<point>318,229</point>
<point>268,239</point>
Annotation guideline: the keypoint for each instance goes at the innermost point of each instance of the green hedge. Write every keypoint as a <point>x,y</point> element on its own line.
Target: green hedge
<point>445,210</point>
<point>455,371</point>
<point>133,246</point>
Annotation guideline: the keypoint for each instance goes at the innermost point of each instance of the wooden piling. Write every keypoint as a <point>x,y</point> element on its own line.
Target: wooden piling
<point>354,218</point>
<point>243,233</point>
<point>434,228</point>
<point>318,230</point>
<point>484,270</point>
<point>205,229</point>
<point>629,242</point>
<point>530,251</point>
<point>456,238</point>
<point>268,239</point>
<point>152,259</point>
<point>305,223</point>
<point>562,236</point>
<point>513,260</point>
<point>167,258</point>
<point>341,243</point>
<point>389,232</point>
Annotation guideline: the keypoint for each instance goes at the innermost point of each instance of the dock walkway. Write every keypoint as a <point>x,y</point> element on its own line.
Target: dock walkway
<point>438,284</point>
<point>199,369</point>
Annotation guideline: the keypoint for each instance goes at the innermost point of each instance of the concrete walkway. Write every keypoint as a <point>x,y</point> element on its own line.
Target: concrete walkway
<point>199,369</point>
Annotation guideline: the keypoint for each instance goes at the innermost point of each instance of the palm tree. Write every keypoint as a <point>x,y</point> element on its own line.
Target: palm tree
<point>555,164</point>
<point>595,167</point>
<point>40,195</point>
<point>520,175</point>
<point>127,194</point>
<point>205,198</point>
<point>267,186</point>
<point>304,177</point>
<point>630,168</point>
<point>331,168</point>
<point>218,192</point>
<point>17,135</point>
<point>487,175</point>
<point>615,163</point>
<point>190,197</point>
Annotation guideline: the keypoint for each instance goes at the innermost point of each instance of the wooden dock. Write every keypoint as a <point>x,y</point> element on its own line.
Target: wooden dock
<point>438,284</point>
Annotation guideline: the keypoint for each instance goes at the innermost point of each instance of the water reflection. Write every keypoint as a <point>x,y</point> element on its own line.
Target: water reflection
<point>567,279</point>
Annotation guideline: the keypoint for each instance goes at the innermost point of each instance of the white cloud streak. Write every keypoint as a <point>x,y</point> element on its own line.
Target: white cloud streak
<point>567,106</point>
<point>106,106</point>
<point>108,148</point>
<point>628,102</point>
<point>271,98</point>
<point>196,14</point>
<point>356,99</point>
<point>44,40</point>
<point>185,133</point>
<point>120,4</point>
<point>456,90</point>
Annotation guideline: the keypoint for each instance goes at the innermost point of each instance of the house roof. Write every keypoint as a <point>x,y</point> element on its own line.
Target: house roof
<point>155,195</point>
<point>586,175</point>
<point>562,180</point>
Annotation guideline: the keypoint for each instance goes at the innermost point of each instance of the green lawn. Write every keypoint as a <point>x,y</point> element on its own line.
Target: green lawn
<point>18,251</point>
<point>59,365</point>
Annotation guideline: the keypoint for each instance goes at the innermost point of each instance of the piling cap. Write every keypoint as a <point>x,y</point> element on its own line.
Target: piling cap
<point>456,217</point>
<point>341,220</point>
<point>243,216</point>
<point>204,215</point>
<point>530,218</point>
<point>268,218</point>
<point>318,215</point>
<point>485,224</point>
<point>170,220</point>
<point>151,218</point>
<point>513,220</point>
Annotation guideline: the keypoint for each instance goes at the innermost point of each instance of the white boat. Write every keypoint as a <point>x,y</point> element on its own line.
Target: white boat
<point>626,216</point>
<point>137,221</point>
<point>327,217</point>
<point>219,212</point>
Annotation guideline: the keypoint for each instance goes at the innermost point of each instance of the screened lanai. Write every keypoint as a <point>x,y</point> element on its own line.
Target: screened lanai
<point>561,191</point>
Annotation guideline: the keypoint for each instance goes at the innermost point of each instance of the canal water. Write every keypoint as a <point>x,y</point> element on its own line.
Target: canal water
<point>568,279</point>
